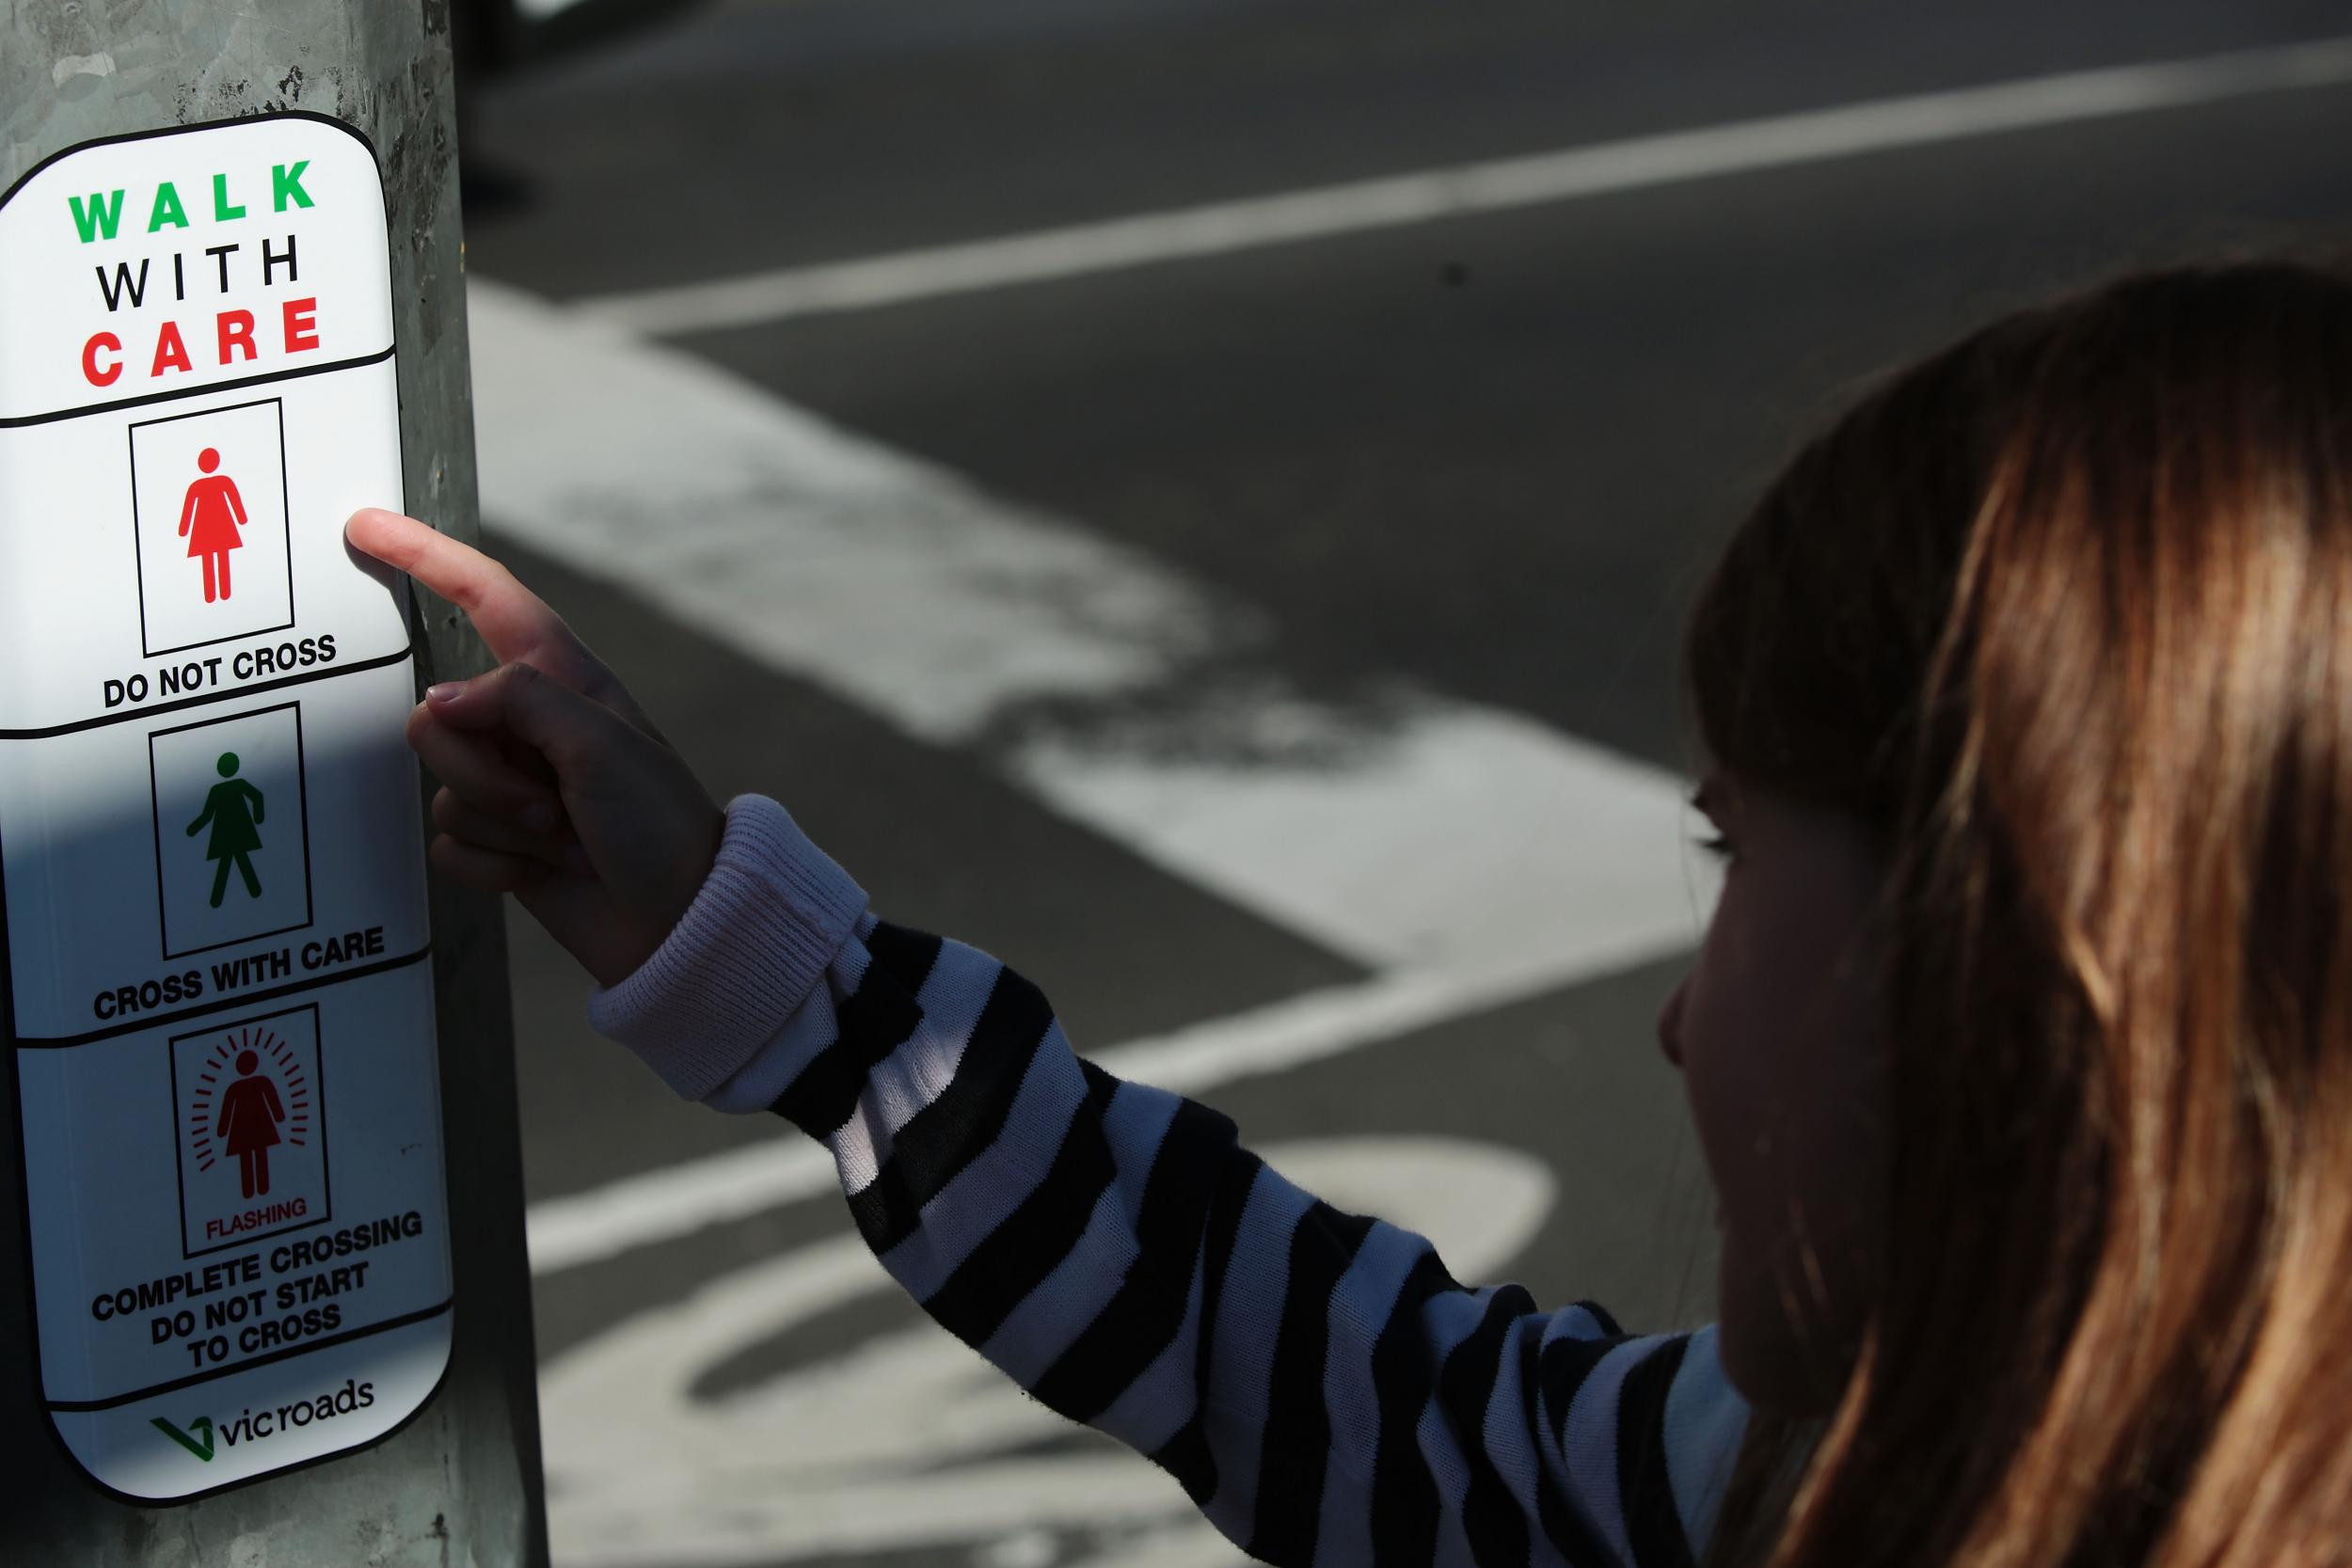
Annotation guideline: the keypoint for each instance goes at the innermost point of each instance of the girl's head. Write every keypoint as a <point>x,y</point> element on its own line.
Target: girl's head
<point>2021,1044</point>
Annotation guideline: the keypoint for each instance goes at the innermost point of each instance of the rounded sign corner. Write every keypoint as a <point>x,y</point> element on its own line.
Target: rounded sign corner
<point>366,142</point>
<point>154,263</point>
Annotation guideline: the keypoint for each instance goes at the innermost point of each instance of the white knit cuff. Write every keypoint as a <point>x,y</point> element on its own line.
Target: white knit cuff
<point>757,939</point>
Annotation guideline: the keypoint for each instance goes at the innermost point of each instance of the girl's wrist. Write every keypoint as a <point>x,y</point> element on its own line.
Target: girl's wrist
<point>753,942</point>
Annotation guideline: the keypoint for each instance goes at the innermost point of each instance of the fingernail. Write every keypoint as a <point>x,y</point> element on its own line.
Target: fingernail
<point>539,816</point>
<point>443,691</point>
<point>575,859</point>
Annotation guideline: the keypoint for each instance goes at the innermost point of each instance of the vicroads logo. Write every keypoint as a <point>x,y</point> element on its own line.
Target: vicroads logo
<point>203,1424</point>
<point>251,1426</point>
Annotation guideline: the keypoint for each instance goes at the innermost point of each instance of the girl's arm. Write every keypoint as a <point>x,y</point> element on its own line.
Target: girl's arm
<point>1317,1380</point>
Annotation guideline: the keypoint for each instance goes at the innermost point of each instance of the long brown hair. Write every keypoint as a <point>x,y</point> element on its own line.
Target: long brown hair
<point>2064,613</point>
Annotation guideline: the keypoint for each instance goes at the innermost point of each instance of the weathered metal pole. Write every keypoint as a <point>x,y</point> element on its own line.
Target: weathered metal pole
<point>456,1480</point>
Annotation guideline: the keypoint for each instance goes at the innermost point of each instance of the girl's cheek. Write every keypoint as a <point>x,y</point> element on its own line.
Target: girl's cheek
<point>1750,1084</point>
<point>1718,1083</point>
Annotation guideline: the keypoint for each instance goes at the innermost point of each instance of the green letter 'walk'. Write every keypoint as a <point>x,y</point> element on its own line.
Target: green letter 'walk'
<point>285,183</point>
<point>203,1424</point>
<point>100,217</point>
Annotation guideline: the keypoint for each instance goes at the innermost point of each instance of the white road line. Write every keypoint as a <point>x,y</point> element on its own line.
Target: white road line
<point>1431,832</point>
<point>1426,195</point>
<point>1462,854</point>
<point>1465,837</point>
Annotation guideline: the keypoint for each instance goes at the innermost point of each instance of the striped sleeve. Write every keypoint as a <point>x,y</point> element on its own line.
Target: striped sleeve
<point>1317,1382</point>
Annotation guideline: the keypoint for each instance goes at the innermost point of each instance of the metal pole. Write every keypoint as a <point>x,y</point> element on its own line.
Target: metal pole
<point>461,1482</point>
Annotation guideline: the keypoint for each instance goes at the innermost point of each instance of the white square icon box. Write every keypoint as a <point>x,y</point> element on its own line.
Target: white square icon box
<point>233,856</point>
<point>208,500</point>
<point>249,1110</point>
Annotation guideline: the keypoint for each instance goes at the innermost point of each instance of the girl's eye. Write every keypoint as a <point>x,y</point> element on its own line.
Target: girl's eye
<point>1717,846</point>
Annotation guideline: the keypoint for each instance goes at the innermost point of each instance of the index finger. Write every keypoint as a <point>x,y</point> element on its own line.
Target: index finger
<point>515,622</point>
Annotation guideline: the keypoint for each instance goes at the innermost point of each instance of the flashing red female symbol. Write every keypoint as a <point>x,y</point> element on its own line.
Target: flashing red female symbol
<point>210,516</point>
<point>249,1115</point>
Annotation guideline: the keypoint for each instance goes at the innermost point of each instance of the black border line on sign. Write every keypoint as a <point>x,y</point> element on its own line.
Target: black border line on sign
<point>7,978</point>
<point>18,422</point>
<point>181,705</point>
<point>114,1401</point>
<point>156,1021</point>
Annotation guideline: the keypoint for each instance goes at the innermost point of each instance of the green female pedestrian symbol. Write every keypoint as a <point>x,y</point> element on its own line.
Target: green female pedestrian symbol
<point>233,807</point>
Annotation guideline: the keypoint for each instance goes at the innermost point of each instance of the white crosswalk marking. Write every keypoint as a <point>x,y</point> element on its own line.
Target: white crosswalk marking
<point>1439,833</point>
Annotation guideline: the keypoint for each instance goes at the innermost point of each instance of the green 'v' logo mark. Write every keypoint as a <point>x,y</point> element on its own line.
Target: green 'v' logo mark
<point>203,1424</point>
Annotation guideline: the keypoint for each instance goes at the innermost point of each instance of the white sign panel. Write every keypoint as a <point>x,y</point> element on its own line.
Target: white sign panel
<point>219,1007</point>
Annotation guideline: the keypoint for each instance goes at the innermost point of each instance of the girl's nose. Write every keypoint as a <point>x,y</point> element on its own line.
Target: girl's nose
<point>1670,1026</point>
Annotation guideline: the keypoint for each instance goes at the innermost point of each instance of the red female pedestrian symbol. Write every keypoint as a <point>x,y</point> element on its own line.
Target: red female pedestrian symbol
<point>250,1099</point>
<point>210,517</point>
<point>250,1114</point>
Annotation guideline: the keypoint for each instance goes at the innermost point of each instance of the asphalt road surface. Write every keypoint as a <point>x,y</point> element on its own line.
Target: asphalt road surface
<point>1264,642</point>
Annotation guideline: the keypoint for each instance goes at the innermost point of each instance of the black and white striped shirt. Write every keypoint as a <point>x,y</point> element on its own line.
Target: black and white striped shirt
<point>1322,1388</point>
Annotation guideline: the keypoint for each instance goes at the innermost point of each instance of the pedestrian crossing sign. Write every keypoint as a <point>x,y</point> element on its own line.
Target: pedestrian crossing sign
<point>211,851</point>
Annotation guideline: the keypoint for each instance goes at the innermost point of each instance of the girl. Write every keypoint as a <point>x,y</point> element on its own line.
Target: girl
<point>2020,1044</point>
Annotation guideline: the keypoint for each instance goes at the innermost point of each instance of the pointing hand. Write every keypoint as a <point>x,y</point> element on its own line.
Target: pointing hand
<point>556,787</point>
